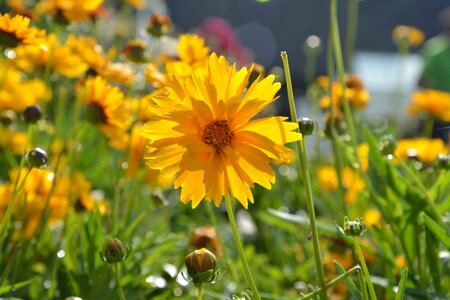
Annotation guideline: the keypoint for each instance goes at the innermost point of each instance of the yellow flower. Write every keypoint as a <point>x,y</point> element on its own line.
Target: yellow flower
<point>138,4</point>
<point>71,10</point>
<point>363,155</point>
<point>426,150</point>
<point>14,141</point>
<point>17,93</point>
<point>372,217</point>
<point>15,31</point>
<point>408,36</point>
<point>61,59</point>
<point>205,137</point>
<point>106,106</point>
<point>191,49</point>
<point>357,95</point>
<point>353,184</point>
<point>436,103</point>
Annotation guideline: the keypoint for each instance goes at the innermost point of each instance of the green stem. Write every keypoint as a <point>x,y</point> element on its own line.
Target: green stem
<point>199,292</point>
<point>334,27</point>
<point>304,169</point>
<point>428,127</point>
<point>352,31</point>
<point>333,282</point>
<point>334,135</point>
<point>362,285</point>
<point>119,287</point>
<point>372,293</point>
<point>239,247</point>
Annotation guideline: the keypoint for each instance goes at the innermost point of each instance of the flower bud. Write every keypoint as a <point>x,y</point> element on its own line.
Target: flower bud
<point>387,144</point>
<point>353,228</point>
<point>32,114</point>
<point>158,25</point>
<point>134,50</point>
<point>443,161</point>
<point>201,266</point>
<point>37,158</point>
<point>114,251</point>
<point>7,117</point>
<point>307,126</point>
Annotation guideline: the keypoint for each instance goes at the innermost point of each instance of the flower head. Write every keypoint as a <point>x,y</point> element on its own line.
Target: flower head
<point>408,36</point>
<point>16,31</point>
<point>436,103</point>
<point>205,136</point>
<point>425,150</point>
<point>106,107</point>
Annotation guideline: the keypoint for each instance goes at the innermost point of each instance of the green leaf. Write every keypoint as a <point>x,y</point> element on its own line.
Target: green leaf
<point>15,286</point>
<point>402,285</point>
<point>437,230</point>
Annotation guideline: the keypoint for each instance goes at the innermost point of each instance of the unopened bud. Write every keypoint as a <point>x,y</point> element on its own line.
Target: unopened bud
<point>443,161</point>
<point>114,251</point>
<point>32,114</point>
<point>37,158</point>
<point>201,266</point>
<point>353,228</point>
<point>307,126</point>
<point>158,25</point>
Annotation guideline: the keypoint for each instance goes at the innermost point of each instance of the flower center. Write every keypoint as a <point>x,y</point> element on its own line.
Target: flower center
<point>217,134</point>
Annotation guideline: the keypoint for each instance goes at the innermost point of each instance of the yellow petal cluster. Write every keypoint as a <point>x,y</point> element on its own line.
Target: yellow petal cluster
<point>16,31</point>
<point>434,102</point>
<point>206,136</point>
<point>425,150</point>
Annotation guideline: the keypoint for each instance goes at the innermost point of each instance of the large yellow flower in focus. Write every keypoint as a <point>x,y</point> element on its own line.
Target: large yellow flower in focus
<point>436,103</point>
<point>205,137</point>
<point>15,31</point>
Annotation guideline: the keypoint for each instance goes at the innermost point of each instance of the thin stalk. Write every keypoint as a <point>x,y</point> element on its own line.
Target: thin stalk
<point>334,27</point>
<point>421,252</point>
<point>119,287</point>
<point>428,127</point>
<point>352,31</point>
<point>362,285</point>
<point>336,150</point>
<point>304,169</point>
<point>199,292</point>
<point>237,241</point>
<point>372,293</point>
<point>333,282</point>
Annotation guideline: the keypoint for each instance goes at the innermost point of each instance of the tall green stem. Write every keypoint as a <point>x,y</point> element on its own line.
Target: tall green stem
<point>199,292</point>
<point>237,241</point>
<point>352,31</point>
<point>373,296</point>
<point>336,42</point>
<point>304,169</point>
<point>119,287</point>
<point>362,285</point>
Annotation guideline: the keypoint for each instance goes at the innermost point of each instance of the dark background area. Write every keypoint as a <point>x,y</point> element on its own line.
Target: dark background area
<point>269,27</point>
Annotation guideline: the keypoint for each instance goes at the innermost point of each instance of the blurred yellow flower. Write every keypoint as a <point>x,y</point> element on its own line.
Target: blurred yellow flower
<point>71,10</point>
<point>353,184</point>
<point>16,31</point>
<point>425,150</point>
<point>206,139</point>
<point>138,4</point>
<point>372,217</point>
<point>61,59</point>
<point>14,141</point>
<point>436,103</point>
<point>363,155</point>
<point>106,107</point>
<point>408,36</point>
<point>357,95</point>
<point>16,92</point>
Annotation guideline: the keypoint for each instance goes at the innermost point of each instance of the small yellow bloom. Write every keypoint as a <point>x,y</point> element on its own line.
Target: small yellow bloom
<point>61,59</point>
<point>372,217</point>
<point>206,137</point>
<point>16,31</point>
<point>408,36</point>
<point>14,141</point>
<point>426,150</point>
<point>71,10</point>
<point>106,107</point>
<point>436,103</point>
<point>356,94</point>
<point>353,184</point>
